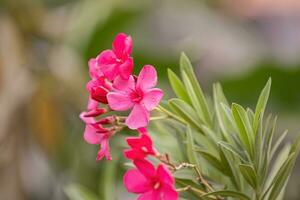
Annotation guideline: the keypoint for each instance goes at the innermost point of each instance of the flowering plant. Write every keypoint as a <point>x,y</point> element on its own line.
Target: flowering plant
<point>227,150</point>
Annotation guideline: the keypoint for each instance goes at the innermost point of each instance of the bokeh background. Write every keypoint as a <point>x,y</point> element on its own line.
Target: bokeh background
<point>44,49</point>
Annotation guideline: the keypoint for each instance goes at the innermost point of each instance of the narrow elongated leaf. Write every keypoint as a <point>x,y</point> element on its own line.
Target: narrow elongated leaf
<point>233,150</point>
<point>244,126</point>
<point>261,105</point>
<point>178,87</point>
<point>213,160</point>
<point>224,122</point>
<point>278,142</point>
<point>282,177</point>
<point>230,163</point>
<point>190,147</point>
<point>249,174</point>
<point>186,68</point>
<point>78,192</point>
<point>185,111</point>
<point>228,193</point>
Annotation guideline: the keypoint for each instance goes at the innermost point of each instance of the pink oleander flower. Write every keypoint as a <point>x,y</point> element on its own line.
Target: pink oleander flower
<point>140,147</point>
<point>139,95</point>
<point>94,132</point>
<point>150,183</point>
<point>117,61</point>
<point>99,86</point>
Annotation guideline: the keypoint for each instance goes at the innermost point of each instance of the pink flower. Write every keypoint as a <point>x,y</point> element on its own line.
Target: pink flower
<point>140,95</point>
<point>117,61</point>
<point>98,87</point>
<point>150,183</point>
<point>94,132</point>
<point>140,147</point>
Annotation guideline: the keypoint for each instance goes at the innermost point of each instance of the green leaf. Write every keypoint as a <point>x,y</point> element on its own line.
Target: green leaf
<point>178,87</point>
<point>249,174</point>
<point>278,142</point>
<point>213,160</point>
<point>191,154</point>
<point>78,192</point>
<point>228,193</point>
<point>244,126</point>
<point>261,105</point>
<point>281,177</point>
<point>230,162</point>
<point>223,120</point>
<point>192,84</point>
<point>233,150</point>
<point>185,111</point>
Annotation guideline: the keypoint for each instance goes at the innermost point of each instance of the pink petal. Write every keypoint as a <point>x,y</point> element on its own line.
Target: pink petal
<point>90,135</point>
<point>152,195</point>
<point>107,64</point>
<point>122,45</point>
<point>152,98</point>
<point>139,117</point>
<point>143,130</point>
<point>132,154</point>
<point>92,104</point>
<point>165,175</point>
<point>146,168</point>
<point>143,141</point>
<point>125,69</point>
<point>147,78</point>
<point>136,182</point>
<point>104,150</point>
<point>119,101</point>
<point>169,193</point>
<point>94,69</point>
<point>123,84</point>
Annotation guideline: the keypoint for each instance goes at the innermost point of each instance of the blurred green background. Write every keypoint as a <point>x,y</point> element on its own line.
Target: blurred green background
<point>44,49</point>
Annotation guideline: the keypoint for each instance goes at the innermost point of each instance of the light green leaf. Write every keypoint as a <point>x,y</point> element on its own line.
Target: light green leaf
<point>228,193</point>
<point>281,177</point>
<point>230,163</point>
<point>78,192</point>
<point>213,160</point>
<point>190,79</point>
<point>190,147</point>
<point>245,130</point>
<point>185,111</point>
<point>178,87</point>
<point>261,105</point>
<point>249,174</point>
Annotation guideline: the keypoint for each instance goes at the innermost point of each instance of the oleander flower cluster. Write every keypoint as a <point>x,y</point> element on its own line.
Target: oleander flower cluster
<point>114,87</point>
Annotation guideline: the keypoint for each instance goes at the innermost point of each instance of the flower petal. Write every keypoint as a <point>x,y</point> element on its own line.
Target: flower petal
<point>104,150</point>
<point>90,135</point>
<point>136,182</point>
<point>146,168</point>
<point>152,98</point>
<point>165,175</point>
<point>139,117</point>
<point>123,84</point>
<point>125,69</point>
<point>152,195</point>
<point>106,61</point>
<point>169,193</point>
<point>122,45</point>
<point>119,101</point>
<point>147,78</point>
<point>94,69</point>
